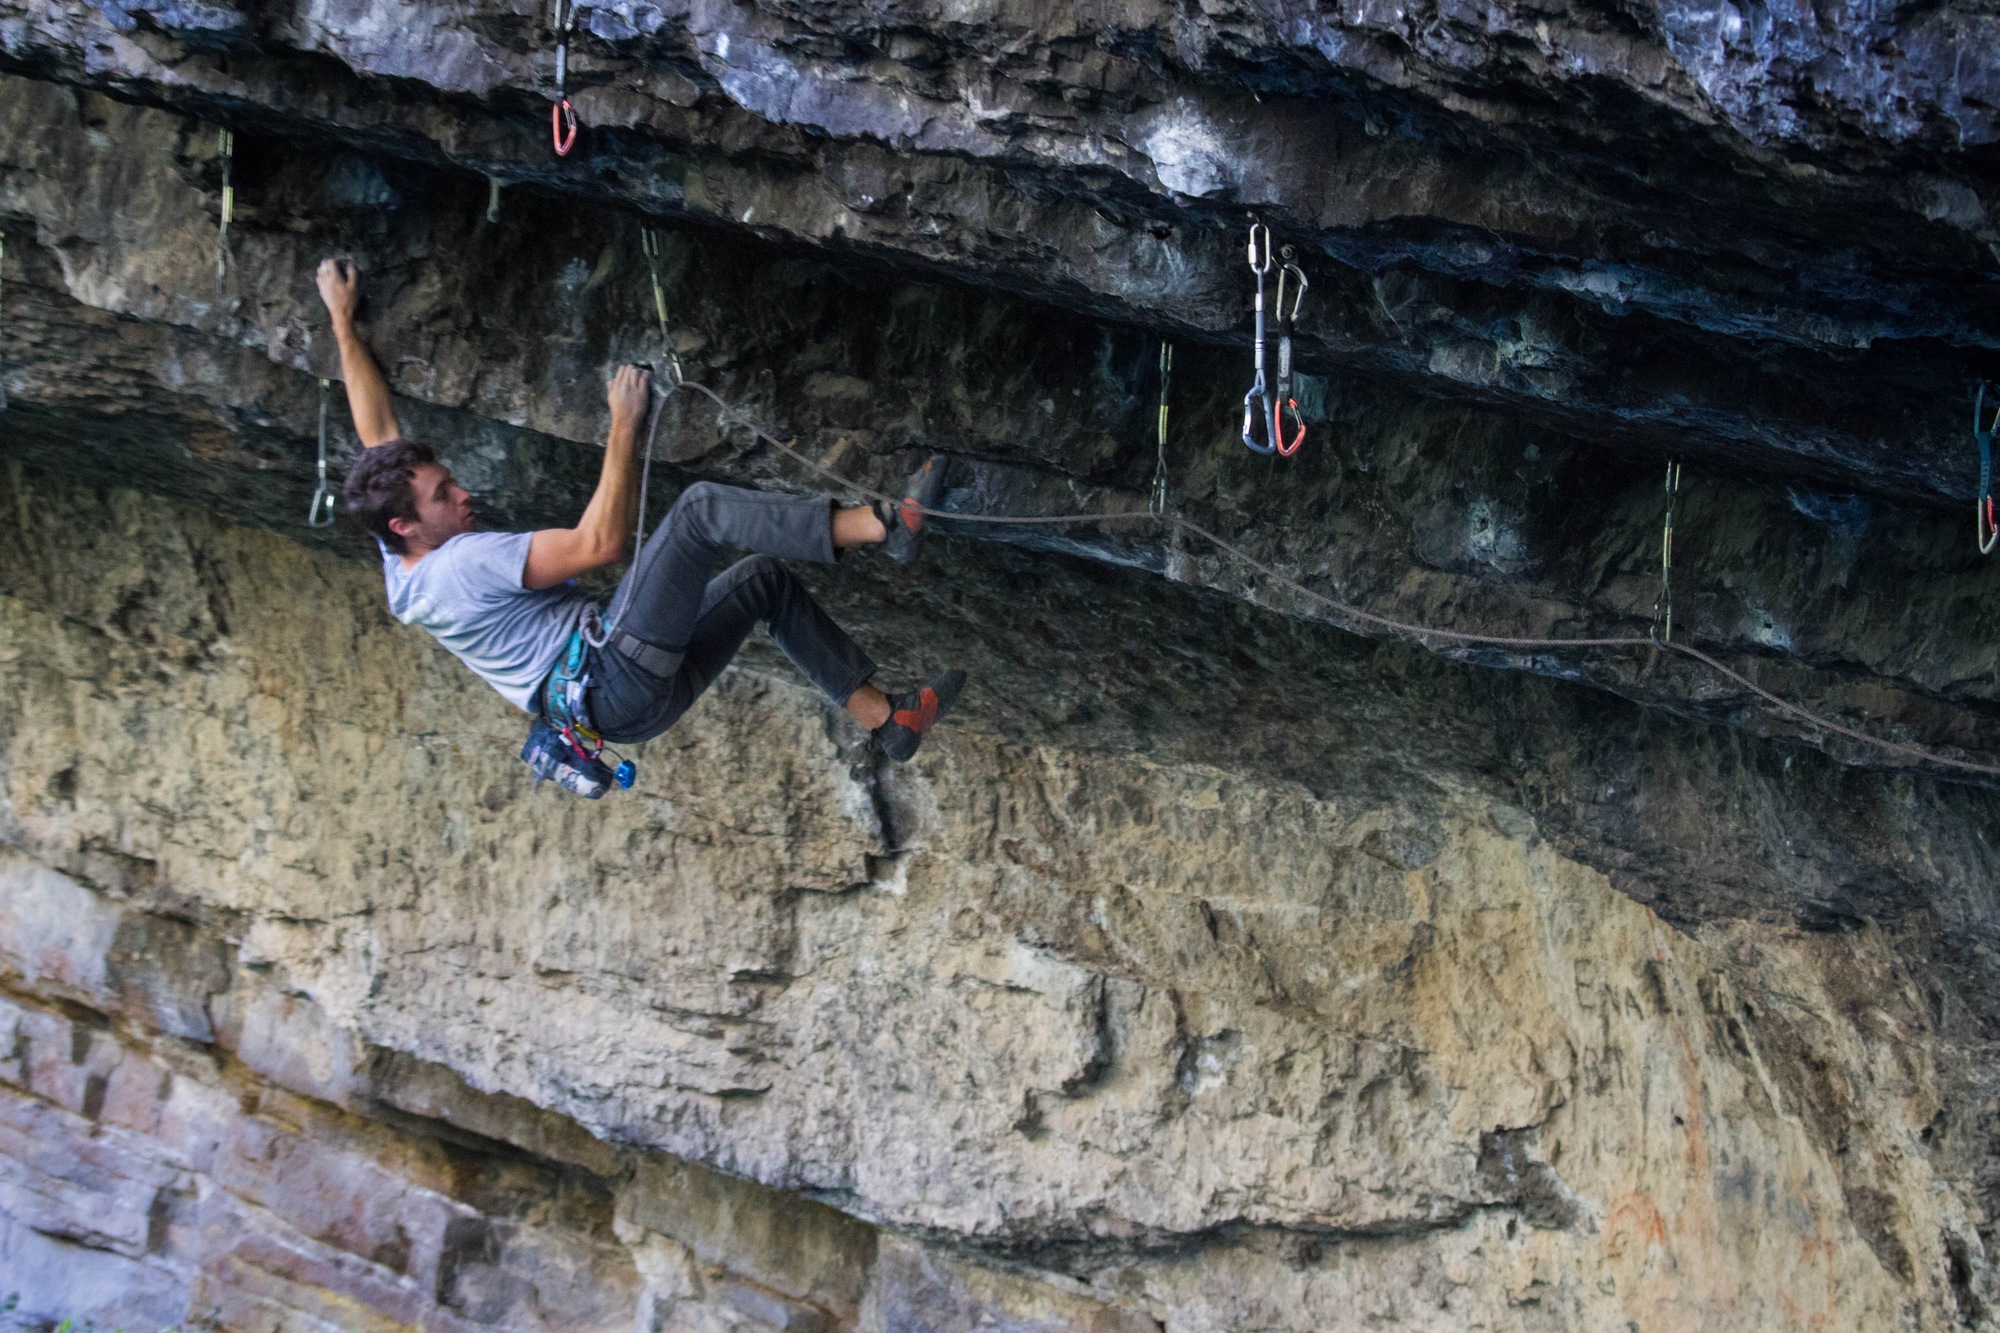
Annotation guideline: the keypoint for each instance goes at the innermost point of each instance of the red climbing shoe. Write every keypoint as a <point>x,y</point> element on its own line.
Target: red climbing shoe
<point>905,523</point>
<point>915,712</point>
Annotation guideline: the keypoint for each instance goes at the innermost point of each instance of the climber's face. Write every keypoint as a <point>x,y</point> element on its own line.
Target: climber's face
<point>444,509</point>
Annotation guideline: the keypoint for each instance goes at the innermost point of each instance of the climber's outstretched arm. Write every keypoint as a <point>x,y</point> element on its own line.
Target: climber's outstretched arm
<point>603,536</point>
<point>367,392</point>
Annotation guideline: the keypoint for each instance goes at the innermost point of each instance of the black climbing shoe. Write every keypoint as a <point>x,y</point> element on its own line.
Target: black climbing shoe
<point>915,712</point>
<point>905,524</point>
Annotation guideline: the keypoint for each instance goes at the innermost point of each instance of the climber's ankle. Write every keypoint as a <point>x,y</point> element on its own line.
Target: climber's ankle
<point>869,706</point>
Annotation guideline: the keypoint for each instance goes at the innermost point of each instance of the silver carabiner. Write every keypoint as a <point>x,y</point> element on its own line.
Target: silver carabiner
<point>1260,268</point>
<point>321,513</point>
<point>1298,276</point>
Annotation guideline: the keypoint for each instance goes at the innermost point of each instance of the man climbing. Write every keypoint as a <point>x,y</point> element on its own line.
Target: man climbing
<point>505,603</point>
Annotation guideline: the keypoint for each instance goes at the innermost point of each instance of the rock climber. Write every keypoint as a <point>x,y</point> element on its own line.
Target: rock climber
<point>506,603</point>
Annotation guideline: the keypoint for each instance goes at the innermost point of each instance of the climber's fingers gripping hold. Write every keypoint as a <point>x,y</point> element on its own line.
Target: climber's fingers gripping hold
<point>628,394</point>
<point>339,286</point>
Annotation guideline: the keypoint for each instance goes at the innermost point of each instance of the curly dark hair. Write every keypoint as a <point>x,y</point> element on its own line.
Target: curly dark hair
<point>378,487</point>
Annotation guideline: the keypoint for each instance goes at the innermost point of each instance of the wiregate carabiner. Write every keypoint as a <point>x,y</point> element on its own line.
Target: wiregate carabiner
<point>1285,402</point>
<point>1257,402</point>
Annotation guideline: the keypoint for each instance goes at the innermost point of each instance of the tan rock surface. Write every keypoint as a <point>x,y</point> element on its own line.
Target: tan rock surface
<point>320,1014</point>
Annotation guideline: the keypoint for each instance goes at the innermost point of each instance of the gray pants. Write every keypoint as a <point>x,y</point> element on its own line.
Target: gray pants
<point>673,627</point>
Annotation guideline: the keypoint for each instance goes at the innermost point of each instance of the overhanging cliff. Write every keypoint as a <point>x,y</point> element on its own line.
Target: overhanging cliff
<point>1222,968</point>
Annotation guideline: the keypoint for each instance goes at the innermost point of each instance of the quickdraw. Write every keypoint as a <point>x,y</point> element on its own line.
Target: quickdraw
<point>320,515</point>
<point>650,241</point>
<point>1257,402</point>
<point>1982,507</point>
<point>3,324</point>
<point>1285,402</point>
<point>228,151</point>
<point>1663,605</point>
<point>562,116</point>
<point>1158,503</point>
<point>651,244</point>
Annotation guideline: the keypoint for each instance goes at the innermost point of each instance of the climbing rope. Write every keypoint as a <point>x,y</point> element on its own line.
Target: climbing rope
<point>320,515</point>
<point>228,153</point>
<point>492,198</point>
<point>562,116</point>
<point>1285,402</point>
<point>1663,605</point>
<point>1257,402</point>
<point>650,243</point>
<point>1157,505</point>
<point>1426,634</point>
<point>1982,507</point>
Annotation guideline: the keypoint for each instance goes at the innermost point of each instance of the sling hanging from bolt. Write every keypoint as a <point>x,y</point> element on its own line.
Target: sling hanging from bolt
<point>1257,403</point>
<point>1982,507</point>
<point>1284,402</point>
<point>562,116</point>
<point>320,515</point>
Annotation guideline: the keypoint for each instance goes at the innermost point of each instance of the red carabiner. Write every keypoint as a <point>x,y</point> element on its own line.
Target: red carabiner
<point>1278,427</point>
<point>562,126</point>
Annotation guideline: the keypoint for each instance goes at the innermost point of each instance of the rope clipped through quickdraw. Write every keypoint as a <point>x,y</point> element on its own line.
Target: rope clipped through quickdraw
<point>1157,505</point>
<point>652,245</point>
<point>1176,522</point>
<point>562,116</point>
<point>228,151</point>
<point>1284,402</point>
<point>1982,507</point>
<point>1257,402</point>
<point>320,515</point>
<point>492,198</point>
<point>1663,606</point>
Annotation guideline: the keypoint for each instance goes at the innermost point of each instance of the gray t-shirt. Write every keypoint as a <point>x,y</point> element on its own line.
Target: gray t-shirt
<point>468,594</point>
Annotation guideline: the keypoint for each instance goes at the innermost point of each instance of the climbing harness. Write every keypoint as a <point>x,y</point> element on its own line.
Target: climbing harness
<point>1983,506</point>
<point>562,745</point>
<point>1257,402</point>
<point>1663,605</point>
<point>321,513</point>
<point>1285,402</point>
<point>228,151</point>
<point>562,116</point>
<point>1157,505</point>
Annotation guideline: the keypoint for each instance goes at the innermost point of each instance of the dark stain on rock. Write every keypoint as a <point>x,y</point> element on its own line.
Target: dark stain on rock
<point>1510,1175</point>
<point>1876,1216</point>
<point>168,970</point>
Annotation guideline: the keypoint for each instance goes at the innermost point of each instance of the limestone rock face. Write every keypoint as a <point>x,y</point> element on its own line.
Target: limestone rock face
<point>318,1008</point>
<point>1233,961</point>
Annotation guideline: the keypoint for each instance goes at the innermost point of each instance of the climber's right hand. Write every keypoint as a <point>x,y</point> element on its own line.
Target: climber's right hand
<point>628,395</point>
<point>340,288</point>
